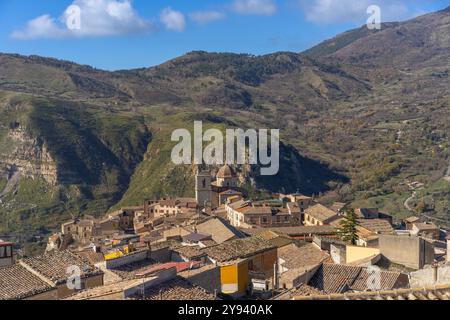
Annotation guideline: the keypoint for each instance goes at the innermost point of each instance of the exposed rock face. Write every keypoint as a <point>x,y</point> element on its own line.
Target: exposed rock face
<point>29,156</point>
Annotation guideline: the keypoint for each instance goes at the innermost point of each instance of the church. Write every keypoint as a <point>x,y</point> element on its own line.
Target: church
<point>213,194</point>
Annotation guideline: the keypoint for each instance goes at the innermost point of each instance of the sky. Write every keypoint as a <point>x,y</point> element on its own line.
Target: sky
<point>125,34</point>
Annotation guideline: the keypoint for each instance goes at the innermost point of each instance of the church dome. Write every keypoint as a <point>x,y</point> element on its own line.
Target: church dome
<point>225,172</point>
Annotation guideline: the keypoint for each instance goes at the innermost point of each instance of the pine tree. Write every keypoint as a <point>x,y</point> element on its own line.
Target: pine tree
<point>347,230</point>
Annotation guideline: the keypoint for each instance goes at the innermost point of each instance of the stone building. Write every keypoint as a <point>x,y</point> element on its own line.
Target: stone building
<point>82,231</point>
<point>209,193</point>
<point>245,214</point>
<point>319,215</point>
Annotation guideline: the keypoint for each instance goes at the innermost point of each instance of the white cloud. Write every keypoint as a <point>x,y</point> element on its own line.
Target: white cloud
<point>98,18</point>
<point>255,7</point>
<point>204,17</point>
<point>344,11</point>
<point>173,20</point>
<point>40,27</point>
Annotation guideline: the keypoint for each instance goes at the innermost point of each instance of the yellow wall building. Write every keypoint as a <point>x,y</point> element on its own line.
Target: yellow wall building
<point>234,277</point>
<point>355,254</point>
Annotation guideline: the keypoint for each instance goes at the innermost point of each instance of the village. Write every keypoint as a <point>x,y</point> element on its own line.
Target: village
<point>222,246</point>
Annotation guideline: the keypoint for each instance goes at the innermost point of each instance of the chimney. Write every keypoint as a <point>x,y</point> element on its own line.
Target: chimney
<point>435,273</point>
<point>276,283</point>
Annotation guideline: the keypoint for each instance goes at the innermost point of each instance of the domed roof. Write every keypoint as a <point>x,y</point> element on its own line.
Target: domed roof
<point>225,172</point>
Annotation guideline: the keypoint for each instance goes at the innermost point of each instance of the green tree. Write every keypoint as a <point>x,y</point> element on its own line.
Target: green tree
<point>347,230</point>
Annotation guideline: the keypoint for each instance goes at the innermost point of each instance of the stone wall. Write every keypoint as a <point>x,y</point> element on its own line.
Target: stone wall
<point>162,255</point>
<point>209,279</point>
<point>425,277</point>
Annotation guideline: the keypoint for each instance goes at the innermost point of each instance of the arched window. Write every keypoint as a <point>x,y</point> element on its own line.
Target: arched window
<point>204,183</point>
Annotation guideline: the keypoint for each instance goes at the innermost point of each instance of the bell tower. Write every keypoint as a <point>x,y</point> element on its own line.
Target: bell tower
<point>203,190</point>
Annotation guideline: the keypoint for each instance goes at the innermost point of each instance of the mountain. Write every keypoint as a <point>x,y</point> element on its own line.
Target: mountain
<point>361,116</point>
<point>398,48</point>
<point>75,140</point>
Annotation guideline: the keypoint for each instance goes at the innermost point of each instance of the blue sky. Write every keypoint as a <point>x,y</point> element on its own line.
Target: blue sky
<point>122,34</point>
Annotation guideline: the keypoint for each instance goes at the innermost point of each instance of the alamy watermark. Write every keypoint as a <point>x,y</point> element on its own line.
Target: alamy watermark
<point>73,17</point>
<point>374,20</point>
<point>239,147</point>
<point>373,278</point>
<point>74,278</point>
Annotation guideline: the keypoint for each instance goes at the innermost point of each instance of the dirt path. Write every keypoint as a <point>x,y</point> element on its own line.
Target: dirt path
<point>408,201</point>
<point>409,208</point>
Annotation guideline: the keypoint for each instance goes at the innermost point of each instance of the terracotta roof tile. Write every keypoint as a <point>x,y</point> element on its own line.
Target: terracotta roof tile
<point>321,213</point>
<point>17,283</point>
<point>176,289</point>
<point>238,249</point>
<point>300,257</point>
<point>378,226</point>
<point>388,280</point>
<point>430,293</point>
<point>334,278</point>
<point>54,265</point>
<point>220,230</point>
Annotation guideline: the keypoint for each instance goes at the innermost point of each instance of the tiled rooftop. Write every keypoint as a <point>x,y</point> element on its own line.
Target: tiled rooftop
<point>176,289</point>
<point>17,283</point>
<point>219,229</point>
<point>189,252</point>
<point>321,213</point>
<point>431,293</point>
<point>334,278</point>
<point>300,257</point>
<point>305,230</point>
<point>54,265</point>
<point>91,256</point>
<point>379,226</point>
<point>388,280</point>
<point>238,249</point>
<point>302,291</point>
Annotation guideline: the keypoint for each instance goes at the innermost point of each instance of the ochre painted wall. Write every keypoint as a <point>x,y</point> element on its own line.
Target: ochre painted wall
<point>359,253</point>
<point>234,278</point>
